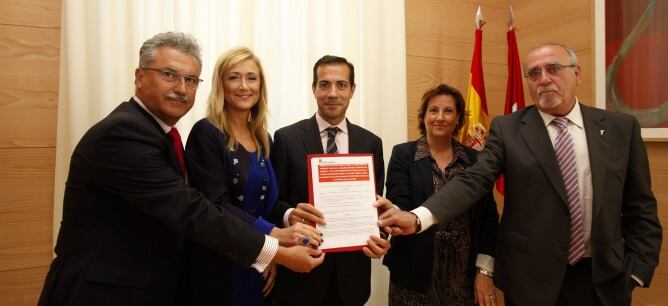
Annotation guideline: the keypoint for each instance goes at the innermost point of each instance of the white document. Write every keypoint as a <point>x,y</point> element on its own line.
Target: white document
<point>342,187</point>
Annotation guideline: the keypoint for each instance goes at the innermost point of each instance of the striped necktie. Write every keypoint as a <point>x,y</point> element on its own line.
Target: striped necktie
<point>331,137</point>
<point>563,147</point>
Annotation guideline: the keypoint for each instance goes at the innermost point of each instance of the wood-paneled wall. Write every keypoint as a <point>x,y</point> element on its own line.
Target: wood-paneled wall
<point>439,46</point>
<point>29,57</point>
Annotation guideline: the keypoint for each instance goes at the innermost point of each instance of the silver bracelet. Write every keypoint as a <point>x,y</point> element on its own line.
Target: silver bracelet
<point>485,272</point>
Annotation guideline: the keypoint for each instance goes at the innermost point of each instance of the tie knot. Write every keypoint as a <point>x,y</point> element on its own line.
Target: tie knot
<point>560,122</point>
<point>332,130</point>
<point>174,133</point>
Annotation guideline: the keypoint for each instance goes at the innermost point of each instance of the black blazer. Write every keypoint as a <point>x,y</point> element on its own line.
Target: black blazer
<point>350,270</point>
<point>126,213</point>
<point>207,277</point>
<point>533,238</point>
<point>409,184</point>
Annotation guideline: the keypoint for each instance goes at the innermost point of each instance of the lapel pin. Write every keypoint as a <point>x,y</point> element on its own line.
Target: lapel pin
<point>602,132</point>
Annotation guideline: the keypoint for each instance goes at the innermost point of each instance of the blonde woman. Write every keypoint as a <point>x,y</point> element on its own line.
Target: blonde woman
<point>227,155</point>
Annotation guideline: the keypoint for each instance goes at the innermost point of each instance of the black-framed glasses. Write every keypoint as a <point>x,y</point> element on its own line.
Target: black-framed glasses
<point>171,77</point>
<point>535,73</point>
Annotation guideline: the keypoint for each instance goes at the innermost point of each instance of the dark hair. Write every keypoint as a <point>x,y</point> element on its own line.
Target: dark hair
<point>329,60</point>
<point>441,89</point>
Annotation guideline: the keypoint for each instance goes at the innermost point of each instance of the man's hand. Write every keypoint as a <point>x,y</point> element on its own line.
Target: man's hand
<point>269,276</point>
<point>397,222</point>
<point>376,247</point>
<point>299,258</point>
<point>484,291</point>
<point>297,234</point>
<point>306,213</point>
<point>384,205</point>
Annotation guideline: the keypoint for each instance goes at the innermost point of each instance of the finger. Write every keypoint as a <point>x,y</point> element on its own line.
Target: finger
<point>309,209</point>
<point>374,251</point>
<point>307,217</point>
<point>266,288</point>
<point>368,252</point>
<point>311,231</point>
<point>386,215</point>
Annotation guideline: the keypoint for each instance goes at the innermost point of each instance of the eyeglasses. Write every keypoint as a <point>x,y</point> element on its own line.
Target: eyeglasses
<point>534,74</point>
<point>171,77</point>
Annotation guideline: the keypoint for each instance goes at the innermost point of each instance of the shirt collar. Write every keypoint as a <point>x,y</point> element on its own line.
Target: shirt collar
<point>422,151</point>
<point>165,127</point>
<point>575,116</point>
<point>323,124</point>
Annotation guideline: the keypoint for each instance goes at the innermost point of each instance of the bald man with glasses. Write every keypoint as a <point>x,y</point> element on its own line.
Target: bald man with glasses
<point>579,224</point>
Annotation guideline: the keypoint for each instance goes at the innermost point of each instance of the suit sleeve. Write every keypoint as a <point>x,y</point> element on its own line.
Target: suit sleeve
<point>130,161</point>
<point>489,224</point>
<point>379,167</point>
<point>471,185</point>
<point>640,226</point>
<point>209,173</point>
<point>279,158</point>
<point>398,179</point>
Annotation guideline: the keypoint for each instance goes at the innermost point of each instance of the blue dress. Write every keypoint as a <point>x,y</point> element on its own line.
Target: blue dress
<point>239,181</point>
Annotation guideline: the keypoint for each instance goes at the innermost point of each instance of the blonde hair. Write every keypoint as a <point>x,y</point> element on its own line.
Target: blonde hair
<point>257,120</point>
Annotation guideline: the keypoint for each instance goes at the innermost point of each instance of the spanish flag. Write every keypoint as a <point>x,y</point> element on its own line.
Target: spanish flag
<point>476,126</point>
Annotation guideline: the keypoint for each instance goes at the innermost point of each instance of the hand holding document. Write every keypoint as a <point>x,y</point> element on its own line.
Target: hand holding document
<point>342,187</point>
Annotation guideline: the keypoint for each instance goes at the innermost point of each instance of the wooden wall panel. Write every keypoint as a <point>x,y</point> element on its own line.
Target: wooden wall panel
<point>21,287</point>
<point>28,86</point>
<point>569,22</point>
<point>657,294</point>
<point>29,57</point>
<point>33,13</point>
<point>445,29</point>
<point>26,215</point>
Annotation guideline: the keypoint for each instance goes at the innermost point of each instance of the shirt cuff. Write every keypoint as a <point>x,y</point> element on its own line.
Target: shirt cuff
<point>638,280</point>
<point>485,262</point>
<point>263,225</point>
<point>425,216</point>
<point>286,217</point>
<point>266,255</point>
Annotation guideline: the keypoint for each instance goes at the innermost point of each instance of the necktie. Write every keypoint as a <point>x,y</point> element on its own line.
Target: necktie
<point>331,136</point>
<point>178,148</point>
<point>563,147</point>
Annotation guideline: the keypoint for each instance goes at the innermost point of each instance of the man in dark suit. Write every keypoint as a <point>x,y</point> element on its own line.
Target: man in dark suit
<point>127,208</point>
<point>343,278</point>
<point>579,225</point>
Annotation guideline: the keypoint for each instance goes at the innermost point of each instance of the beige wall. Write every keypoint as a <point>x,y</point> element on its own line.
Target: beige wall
<point>439,46</point>
<point>29,57</point>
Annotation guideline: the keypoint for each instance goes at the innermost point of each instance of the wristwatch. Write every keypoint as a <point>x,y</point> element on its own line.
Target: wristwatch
<point>485,272</point>
<point>418,223</point>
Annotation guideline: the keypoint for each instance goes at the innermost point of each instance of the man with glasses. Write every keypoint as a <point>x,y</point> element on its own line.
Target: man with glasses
<point>579,224</point>
<point>127,207</point>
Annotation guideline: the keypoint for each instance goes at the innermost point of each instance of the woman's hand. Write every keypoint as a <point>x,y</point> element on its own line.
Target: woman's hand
<point>484,292</point>
<point>269,275</point>
<point>297,234</point>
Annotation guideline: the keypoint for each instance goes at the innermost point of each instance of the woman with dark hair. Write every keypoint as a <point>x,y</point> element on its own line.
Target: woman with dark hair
<point>448,264</point>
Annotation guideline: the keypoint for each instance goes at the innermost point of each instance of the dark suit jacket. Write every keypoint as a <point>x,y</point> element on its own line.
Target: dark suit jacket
<point>533,238</point>
<point>351,270</point>
<point>126,213</point>
<point>409,184</point>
